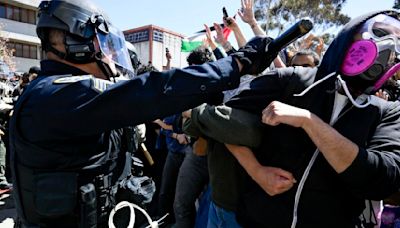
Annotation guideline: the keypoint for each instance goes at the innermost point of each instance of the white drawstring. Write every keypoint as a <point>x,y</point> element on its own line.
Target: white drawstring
<point>300,188</point>
<point>312,161</point>
<point>345,88</point>
<point>354,102</point>
<point>314,84</point>
<point>132,207</point>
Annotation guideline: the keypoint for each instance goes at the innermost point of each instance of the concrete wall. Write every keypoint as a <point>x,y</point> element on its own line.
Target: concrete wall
<point>29,4</point>
<point>158,55</point>
<point>23,64</point>
<point>18,27</point>
<point>143,52</point>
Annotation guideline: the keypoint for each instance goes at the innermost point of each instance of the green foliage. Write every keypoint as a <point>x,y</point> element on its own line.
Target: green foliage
<point>277,14</point>
<point>396,4</point>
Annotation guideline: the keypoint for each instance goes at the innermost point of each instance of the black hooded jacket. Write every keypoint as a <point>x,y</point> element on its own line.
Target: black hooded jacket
<point>328,199</point>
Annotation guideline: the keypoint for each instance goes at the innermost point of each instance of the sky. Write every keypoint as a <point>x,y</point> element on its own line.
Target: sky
<point>188,17</point>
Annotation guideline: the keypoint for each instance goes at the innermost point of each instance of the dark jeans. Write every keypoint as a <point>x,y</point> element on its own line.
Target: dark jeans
<point>168,184</point>
<point>192,179</point>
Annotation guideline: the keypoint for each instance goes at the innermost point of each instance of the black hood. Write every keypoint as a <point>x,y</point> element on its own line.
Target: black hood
<point>333,58</point>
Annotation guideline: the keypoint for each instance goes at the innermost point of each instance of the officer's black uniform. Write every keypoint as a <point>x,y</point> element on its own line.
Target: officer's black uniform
<point>63,130</point>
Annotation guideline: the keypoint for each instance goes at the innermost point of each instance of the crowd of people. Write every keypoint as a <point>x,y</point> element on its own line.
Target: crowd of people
<point>307,136</point>
<point>11,87</point>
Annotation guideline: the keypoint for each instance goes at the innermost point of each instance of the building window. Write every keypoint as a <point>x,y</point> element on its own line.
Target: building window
<point>17,14</point>
<point>2,11</point>
<point>31,17</point>
<point>9,12</point>
<point>158,36</point>
<point>23,50</point>
<point>24,15</point>
<point>18,50</point>
<point>137,36</point>
<point>33,52</point>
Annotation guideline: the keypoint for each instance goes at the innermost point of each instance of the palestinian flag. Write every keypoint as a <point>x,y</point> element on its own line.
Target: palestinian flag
<point>196,40</point>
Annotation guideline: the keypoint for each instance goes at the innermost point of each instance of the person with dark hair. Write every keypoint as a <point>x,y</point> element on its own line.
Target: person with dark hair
<point>337,145</point>
<point>305,58</point>
<point>199,56</point>
<point>66,132</point>
<point>34,70</point>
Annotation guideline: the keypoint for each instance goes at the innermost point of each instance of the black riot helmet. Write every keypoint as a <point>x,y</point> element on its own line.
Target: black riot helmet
<point>81,21</point>
<point>133,55</point>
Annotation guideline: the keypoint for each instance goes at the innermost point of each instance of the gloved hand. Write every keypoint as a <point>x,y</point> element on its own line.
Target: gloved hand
<point>254,57</point>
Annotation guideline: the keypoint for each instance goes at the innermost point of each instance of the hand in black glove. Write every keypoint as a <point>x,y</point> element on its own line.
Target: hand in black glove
<point>254,57</point>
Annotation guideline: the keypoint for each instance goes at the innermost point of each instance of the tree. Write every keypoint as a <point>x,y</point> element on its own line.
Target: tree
<point>396,4</point>
<point>277,14</point>
<point>6,54</point>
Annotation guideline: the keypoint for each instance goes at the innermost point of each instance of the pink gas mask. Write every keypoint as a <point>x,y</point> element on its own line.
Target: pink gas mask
<point>374,57</point>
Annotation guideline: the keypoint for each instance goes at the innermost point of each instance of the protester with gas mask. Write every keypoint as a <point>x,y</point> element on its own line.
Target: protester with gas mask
<point>339,142</point>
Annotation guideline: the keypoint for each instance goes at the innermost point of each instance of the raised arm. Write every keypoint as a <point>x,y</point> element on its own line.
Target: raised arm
<point>219,38</point>
<point>247,16</point>
<point>230,22</point>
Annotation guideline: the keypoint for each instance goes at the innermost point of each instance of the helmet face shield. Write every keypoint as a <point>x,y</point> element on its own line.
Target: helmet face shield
<point>112,45</point>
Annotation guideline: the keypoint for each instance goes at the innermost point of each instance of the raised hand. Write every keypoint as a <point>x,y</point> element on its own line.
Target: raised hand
<point>231,23</point>
<point>247,13</point>
<point>168,56</point>
<point>219,38</point>
<point>209,38</point>
<point>320,46</point>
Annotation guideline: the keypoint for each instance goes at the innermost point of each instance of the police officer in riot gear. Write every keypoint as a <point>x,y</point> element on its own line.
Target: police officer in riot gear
<point>67,148</point>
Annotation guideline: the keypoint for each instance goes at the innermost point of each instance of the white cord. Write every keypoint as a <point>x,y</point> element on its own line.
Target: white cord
<point>132,207</point>
<point>300,188</point>
<point>315,84</point>
<point>346,90</point>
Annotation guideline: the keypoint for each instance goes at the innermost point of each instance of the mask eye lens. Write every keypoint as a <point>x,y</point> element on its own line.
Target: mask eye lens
<point>380,32</point>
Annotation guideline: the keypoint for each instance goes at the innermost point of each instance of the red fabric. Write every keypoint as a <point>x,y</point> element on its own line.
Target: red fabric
<point>226,31</point>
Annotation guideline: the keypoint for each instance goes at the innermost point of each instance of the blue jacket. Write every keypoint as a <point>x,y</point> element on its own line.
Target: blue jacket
<point>172,144</point>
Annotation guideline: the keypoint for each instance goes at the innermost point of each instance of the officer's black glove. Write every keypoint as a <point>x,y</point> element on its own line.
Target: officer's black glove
<point>254,57</point>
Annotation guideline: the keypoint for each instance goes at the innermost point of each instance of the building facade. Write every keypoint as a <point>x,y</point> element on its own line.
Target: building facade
<point>18,20</point>
<point>151,43</point>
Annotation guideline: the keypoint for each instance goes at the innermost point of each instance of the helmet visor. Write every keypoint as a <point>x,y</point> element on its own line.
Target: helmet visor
<point>112,45</point>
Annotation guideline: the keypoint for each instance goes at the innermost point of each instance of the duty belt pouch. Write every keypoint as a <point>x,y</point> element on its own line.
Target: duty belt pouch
<point>55,194</point>
<point>88,206</point>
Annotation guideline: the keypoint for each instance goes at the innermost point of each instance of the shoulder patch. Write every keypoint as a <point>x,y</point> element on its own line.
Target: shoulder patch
<point>71,79</point>
<point>101,84</point>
